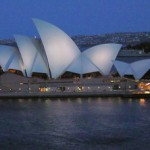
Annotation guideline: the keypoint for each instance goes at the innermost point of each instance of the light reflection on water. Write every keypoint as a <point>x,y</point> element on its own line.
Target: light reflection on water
<point>75,123</point>
<point>142,102</point>
<point>79,100</point>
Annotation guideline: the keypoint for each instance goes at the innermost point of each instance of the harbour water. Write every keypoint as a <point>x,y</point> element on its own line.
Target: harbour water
<point>75,124</point>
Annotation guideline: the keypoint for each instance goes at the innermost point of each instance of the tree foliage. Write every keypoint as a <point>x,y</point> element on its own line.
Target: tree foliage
<point>143,46</point>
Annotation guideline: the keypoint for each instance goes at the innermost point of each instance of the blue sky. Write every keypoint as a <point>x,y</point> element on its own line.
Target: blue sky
<point>75,17</point>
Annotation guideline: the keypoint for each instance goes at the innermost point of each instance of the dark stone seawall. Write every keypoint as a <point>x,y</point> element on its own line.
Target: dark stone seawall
<point>69,95</point>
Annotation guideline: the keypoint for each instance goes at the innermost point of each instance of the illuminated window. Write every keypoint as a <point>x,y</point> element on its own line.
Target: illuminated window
<point>43,89</point>
<point>80,88</point>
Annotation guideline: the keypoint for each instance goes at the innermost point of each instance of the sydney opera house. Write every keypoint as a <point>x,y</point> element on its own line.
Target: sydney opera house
<point>55,55</point>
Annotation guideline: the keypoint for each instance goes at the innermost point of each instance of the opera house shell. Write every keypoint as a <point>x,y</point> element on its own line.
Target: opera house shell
<point>57,53</point>
<point>137,68</point>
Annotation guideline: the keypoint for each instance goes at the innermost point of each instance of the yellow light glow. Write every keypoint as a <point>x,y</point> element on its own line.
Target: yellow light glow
<point>42,89</point>
<point>147,92</point>
<point>144,86</point>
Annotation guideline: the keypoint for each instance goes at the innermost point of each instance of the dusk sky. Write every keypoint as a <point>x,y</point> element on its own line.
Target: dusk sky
<point>75,17</point>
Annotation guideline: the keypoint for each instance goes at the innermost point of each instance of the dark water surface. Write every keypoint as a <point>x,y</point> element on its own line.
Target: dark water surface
<point>75,124</point>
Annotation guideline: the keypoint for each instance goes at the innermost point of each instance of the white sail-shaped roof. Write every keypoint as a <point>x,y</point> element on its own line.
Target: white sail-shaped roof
<point>61,51</point>
<point>88,66</point>
<point>31,55</point>
<point>137,68</point>
<point>76,65</point>
<point>39,46</point>
<point>10,58</point>
<point>129,71</point>
<point>140,68</point>
<point>102,56</point>
<point>122,67</point>
<point>82,65</point>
